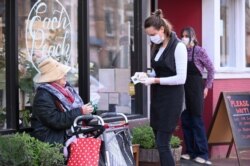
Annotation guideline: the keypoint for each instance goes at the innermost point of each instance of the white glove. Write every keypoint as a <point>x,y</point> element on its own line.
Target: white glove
<point>148,81</point>
<point>151,73</point>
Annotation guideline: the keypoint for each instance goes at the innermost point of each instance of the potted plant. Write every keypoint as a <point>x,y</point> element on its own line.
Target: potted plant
<point>176,147</point>
<point>144,136</point>
<point>23,150</point>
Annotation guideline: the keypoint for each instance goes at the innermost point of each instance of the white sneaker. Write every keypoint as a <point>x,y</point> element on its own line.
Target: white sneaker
<point>202,161</point>
<point>186,157</point>
<point>208,162</point>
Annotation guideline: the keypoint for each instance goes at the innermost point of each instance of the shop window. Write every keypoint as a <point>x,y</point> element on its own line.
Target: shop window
<point>111,43</point>
<point>247,18</point>
<point>46,28</point>
<point>235,34</point>
<point>227,38</point>
<point>109,21</point>
<point>2,67</point>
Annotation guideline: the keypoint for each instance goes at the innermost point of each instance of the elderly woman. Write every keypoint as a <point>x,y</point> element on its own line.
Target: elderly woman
<point>56,103</point>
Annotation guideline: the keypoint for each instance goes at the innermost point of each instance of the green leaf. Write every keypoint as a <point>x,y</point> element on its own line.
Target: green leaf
<point>21,149</point>
<point>144,136</point>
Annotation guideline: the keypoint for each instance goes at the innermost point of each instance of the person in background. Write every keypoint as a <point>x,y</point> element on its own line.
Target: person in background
<point>56,104</point>
<point>195,91</point>
<point>169,67</point>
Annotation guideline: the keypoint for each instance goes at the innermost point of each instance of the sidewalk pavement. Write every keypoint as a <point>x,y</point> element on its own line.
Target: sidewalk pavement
<point>217,162</point>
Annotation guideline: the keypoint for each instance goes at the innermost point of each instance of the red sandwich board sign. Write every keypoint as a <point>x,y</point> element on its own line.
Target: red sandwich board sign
<point>231,122</point>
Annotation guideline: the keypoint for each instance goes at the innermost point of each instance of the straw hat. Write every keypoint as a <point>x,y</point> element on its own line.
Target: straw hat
<point>50,71</point>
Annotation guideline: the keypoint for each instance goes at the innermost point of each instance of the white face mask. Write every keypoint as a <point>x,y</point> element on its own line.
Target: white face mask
<point>185,40</point>
<point>156,39</point>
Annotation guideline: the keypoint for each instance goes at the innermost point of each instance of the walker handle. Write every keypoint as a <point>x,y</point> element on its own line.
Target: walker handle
<point>115,114</point>
<point>88,117</point>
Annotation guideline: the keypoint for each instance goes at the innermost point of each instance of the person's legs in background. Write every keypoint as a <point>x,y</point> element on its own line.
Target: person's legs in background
<point>195,138</point>
<point>163,145</point>
<point>186,122</point>
<point>200,138</point>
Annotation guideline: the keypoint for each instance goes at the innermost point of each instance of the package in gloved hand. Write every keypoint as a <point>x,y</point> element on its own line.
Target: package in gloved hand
<point>138,77</point>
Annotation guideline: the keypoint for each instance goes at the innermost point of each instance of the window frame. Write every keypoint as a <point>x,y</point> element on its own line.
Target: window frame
<point>12,110</point>
<point>211,29</point>
<point>140,62</point>
<point>12,89</point>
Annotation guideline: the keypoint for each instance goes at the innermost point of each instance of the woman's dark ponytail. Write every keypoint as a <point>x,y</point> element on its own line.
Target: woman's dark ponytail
<point>158,13</point>
<point>157,21</point>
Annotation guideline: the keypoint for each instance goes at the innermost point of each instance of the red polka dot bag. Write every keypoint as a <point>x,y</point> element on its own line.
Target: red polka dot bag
<point>84,152</point>
<point>83,148</point>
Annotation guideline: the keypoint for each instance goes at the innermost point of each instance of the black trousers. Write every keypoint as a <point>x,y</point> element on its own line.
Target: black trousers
<point>162,140</point>
<point>192,121</point>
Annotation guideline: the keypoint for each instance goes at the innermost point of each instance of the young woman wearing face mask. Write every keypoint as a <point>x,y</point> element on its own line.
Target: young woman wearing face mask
<point>169,67</point>
<point>195,91</point>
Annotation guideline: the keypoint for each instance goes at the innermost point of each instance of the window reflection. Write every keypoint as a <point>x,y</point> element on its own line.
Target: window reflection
<point>2,67</point>
<point>46,28</point>
<point>227,42</point>
<point>111,35</point>
<point>247,8</point>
